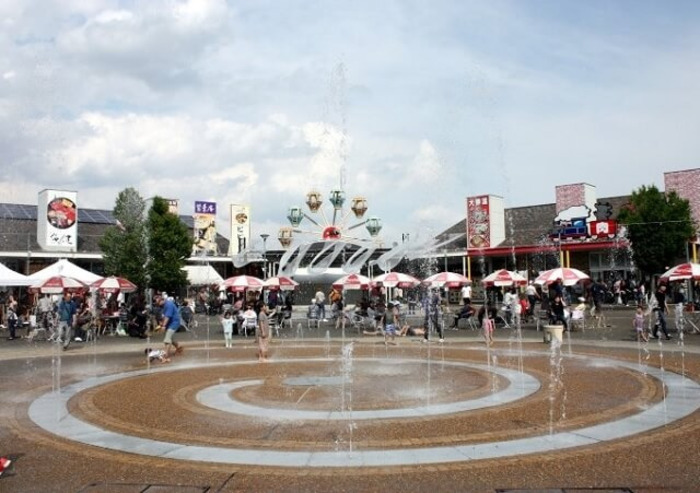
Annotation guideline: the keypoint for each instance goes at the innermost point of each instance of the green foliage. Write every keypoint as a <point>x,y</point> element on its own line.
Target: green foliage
<point>124,245</point>
<point>169,244</point>
<point>659,226</point>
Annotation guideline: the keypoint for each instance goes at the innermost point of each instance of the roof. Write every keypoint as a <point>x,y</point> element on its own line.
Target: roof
<point>18,229</point>
<point>531,225</point>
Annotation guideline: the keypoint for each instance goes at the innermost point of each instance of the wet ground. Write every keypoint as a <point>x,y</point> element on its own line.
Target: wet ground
<point>337,411</point>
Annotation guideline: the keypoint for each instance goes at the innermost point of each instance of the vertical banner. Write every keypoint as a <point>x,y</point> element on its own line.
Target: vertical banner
<point>478,222</point>
<point>173,206</point>
<point>204,229</point>
<point>57,221</point>
<point>240,228</point>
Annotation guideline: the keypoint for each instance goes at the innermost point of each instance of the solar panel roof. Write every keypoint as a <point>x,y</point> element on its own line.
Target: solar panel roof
<point>88,216</point>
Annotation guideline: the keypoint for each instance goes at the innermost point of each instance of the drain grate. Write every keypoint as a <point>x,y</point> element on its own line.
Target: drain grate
<point>570,490</point>
<point>142,488</point>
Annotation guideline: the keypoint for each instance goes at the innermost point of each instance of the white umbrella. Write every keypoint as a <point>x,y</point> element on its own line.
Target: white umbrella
<point>57,285</point>
<point>682,272</point>
<point>447,280</point>
<point>396,279</point>
<point>281,283</point>
<point>352,281</point>
<point>242,283</point>
<point>504,277</point>
<point>566,275</point>
<point>113,284</point>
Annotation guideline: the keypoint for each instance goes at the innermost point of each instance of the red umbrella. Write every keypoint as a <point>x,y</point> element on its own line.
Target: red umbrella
<point>682,272</point>
<point>566,275</point>
<point>396,279</point>
<point>352,281</point>
<point>281,283</point>
<point>504,277</point>
<point>243,283</point>
<point>447,280</point>
<point>114,284</point>
<point>57,285</point>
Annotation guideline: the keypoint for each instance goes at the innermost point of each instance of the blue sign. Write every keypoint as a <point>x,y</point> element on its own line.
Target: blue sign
<point>205,207</point>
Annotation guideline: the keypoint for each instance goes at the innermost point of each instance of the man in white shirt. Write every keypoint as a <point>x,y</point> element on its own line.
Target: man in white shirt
<point>467,294</point>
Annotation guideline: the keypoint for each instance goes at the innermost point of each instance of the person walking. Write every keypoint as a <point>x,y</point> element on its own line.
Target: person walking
<point>170,322</point>
<point>432,316</point>
<point>661,310</point>
<point>67,312</point>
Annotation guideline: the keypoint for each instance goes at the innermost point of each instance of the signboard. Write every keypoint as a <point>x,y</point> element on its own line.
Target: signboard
<point>240,228</point>
<point>603,229</point>
<point>204,229</point>
<point>57,221</point>
<point>478,222</point>
<point>173,206</point>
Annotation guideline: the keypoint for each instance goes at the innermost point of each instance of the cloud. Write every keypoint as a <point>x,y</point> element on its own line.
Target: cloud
<point>420,105</point>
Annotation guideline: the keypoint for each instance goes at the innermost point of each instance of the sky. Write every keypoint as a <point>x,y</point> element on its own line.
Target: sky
<point>412,105</point>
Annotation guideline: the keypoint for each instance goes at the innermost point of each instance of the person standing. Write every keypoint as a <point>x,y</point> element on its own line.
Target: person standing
<point>67,312</point>
<point>320,301</point>
<point>638,324</point>
<point>432,316</point>
<point>227,323</point>
<point>12,320</point>
<point>262,333</point>
<point>467,294</point>
<point>532,297</point>
<point>661,310</point>
<point>170,322</point>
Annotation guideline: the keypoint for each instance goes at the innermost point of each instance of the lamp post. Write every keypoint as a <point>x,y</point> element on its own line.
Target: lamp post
<point>264,237</point>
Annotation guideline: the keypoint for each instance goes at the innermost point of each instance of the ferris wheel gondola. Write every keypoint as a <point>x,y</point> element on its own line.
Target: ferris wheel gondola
<point>329,227</point>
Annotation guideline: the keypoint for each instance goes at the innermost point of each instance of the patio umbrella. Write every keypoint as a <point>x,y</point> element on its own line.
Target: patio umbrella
<point>447,280</point>
<point>567,275</point>
<point>57,285</point>
<point>113,284</point>
<point>243,283</point>
<point>682,272</point>
<point>396,279</point>
<point>281,283</point>
<point>352,281</point>
<point>504,277</point>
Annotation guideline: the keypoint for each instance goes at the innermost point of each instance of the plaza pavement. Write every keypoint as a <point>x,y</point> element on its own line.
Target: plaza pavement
<point>659,461</point>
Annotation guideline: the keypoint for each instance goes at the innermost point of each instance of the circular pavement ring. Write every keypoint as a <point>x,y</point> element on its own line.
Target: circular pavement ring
<point>50,412</point>
<point>218,397</point>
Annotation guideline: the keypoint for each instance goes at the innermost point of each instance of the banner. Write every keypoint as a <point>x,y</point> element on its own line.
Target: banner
<point>240,228</point>
<point>478,222</point>
<point>57,221</point>
<point>173,206</point>
<point>204,229</point>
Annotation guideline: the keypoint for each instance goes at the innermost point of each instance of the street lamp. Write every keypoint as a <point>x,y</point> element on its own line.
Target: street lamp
<point>264,237</point>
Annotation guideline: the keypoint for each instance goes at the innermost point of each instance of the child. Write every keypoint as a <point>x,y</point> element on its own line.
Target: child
<point>156,354</point>
<point>392,323</point>
<point>227,323</point>
<point>638,324</point>
<point>487,326</point>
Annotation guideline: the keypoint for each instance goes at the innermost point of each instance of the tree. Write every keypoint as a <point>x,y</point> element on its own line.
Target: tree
<point>169,246</point>
<point>124,245</point>
<point>659,226</point>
